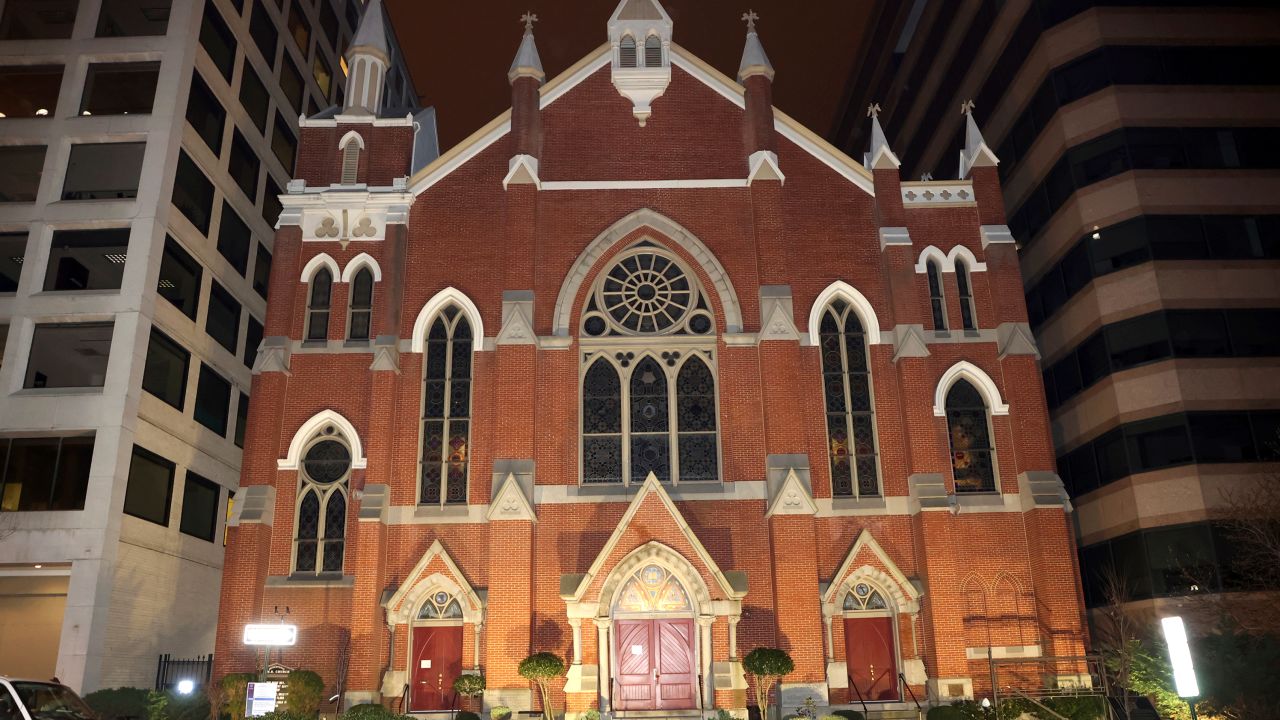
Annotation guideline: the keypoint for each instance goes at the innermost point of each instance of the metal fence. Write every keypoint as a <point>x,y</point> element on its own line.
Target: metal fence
<point>170,671</point>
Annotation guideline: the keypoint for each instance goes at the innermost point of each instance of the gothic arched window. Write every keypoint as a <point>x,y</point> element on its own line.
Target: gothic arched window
<point>851,426</point>
<point>361,319</point>
<point>652,590</point>
<point>350,160</point>
<point>446,409</point>
<point>969,427</point>
<point>627,52</point>
<point>936,304</point>
<point>863,597</point>
<point>968,317</point>
<point>440,605</point>
<point>320,541</point>
<point>648,402</point>
<point>653,52</point>
<point>318,304</point>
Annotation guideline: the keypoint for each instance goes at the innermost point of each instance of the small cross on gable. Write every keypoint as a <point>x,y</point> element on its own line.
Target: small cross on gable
<point>750,17</point>
<point>873,110</point>
<point>528,19</point>
<point>966,107</point>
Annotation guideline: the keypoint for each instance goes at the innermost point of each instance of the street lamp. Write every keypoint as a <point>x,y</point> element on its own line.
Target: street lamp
<point>1184,672</point>
<point>185,687</point>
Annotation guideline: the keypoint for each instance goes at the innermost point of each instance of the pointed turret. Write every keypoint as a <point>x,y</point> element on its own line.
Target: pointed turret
<point>526,76</point>
<point>754,59</point>
<point>756,75</point>
<point>640,37</point>
<point>527,63</point>
<point>975,153</point>
<point>368,59</point>
<point>879,157</point>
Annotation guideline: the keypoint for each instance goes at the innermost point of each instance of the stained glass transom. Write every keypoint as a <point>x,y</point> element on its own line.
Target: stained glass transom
<point>864,597</point>
<point>846,377</point>
<point>652,589</point>
<point>446,409</point>
<point>440,606</point>
<point>646,292</point>
<point>972,452</point>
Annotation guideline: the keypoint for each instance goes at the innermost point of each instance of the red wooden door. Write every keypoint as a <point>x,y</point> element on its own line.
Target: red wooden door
<point>437,662</point>
<point>654,668</point>
<point>870,654</point>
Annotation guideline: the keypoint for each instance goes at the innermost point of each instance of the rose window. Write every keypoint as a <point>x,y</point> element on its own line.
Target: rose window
<point>646,293</point>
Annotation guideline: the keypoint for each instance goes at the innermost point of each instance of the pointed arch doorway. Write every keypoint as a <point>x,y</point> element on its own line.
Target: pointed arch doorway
<point>437,653</point>
<point>871,645</point>
<point>655,646</point>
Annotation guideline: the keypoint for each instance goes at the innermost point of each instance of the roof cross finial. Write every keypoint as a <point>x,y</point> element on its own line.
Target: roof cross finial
<point>750,17</point>
<point>966,107</point>
<point>528,19</point>
<point>873,110</point>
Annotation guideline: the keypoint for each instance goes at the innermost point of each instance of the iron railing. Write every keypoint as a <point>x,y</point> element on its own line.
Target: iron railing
<point>170,671</point>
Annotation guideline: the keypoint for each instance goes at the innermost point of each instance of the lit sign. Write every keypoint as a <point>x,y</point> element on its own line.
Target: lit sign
<point>275,635</point>
<point>1184,672</point>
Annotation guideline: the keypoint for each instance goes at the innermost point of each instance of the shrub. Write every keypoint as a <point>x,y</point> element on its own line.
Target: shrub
<point>964,710</point>
<point>234,688</point>
<point>592,714</point>
<point>285,715</point>
<point>368,711</point>
<point>847,715</point>
<point>541,668</point>
<point>767,665</point>
<point>1078,707</point>
<point>500,712</point>
<point>722,714</point>
<point>469,686</point>
<point>187,707</point>
<point>466,715</point>
<point>124,703</point>
<point>304,691</point>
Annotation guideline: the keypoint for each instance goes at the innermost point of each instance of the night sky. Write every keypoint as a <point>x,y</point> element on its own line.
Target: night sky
<point>459,52</point>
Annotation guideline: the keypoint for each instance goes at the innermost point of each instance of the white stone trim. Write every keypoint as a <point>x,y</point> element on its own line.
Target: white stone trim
<point>351,134</point>
<point>583,69</point>
<point>850,294</point>
<point>902,592</point>
<point>437,303</point>
<point>676,184</point>
<point>308,430</point>
<point>315,263</point>
<point>414,590</point>
<point>439,168</point>
<point>947,262</point>
<point>980,379</point>
<point>359,261</point>
<point>934,193</point>
<point>644,217</point>
<point>995,234</point>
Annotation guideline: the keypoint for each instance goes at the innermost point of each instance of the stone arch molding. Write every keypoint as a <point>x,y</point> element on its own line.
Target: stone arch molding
<point>666,227</point>
<point>311,428</point>
<point>861,305</point>
<point>895,587</point>
<point>351,135</point>
<point>360,261</point>
<point>402,606</point>
<point>323,260</point>
<point>440,301</point>
<point>947,262</point>
<point>980,379</point>
<point>655,553</point>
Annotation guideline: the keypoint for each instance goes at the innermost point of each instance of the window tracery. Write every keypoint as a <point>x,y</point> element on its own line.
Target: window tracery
<point>863,597</point>
<point>646,292</point>
<point>652,589</point>
<point>846,375</point>
<point>440,605</point>
<point>446,409</point>
<point>320,540</point>
<point>969,428</point>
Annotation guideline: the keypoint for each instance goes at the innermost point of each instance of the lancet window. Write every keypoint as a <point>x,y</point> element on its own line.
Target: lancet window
<point>320,540</point>
<point>446,409</point>
<point>851,425</point>
<point>969,427</point>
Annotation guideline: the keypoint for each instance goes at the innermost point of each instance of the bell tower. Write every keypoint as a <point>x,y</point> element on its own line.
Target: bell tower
<point>640,37</point>
<point>368,59</point>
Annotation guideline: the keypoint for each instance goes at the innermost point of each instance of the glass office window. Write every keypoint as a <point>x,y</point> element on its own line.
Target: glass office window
<point>205,114</point>
<point>69,355</point>
<point>28,91</point>
<point>200,507</point>
<point>234,239</point>
<point>223,321</point>
<point>149,493</point>
<point>180,278</point>
<point>193,193</point>
<point>213,400</point>
<point>165,374</point>
<point>87,259</point>
<point>133,18</point>
<point>120,88</point>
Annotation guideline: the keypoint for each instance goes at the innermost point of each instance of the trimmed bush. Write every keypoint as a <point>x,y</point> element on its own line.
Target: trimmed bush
<point>767,666</point>
<point>368,711</point>
<point>285,715</point>
<point>500,712</point>
<point>1078,707</point>
<point>234,688</point>
<point>542,668</point>
<point>304,691</point>
<point>846,715</point>
<point>592,714</point>
<point>123,703</point>
<point>466,715</point>
<point>964,710</point>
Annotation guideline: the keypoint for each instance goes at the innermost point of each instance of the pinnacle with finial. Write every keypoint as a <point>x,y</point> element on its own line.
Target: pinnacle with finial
<point>528,19</point>
<point>966,107</point>
<point>750,17</point>
<point>873,110</point>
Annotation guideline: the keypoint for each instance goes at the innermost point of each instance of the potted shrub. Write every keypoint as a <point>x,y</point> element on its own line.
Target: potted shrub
<point>469,686</point>
<point>766,666</point>
<point>541,668</point>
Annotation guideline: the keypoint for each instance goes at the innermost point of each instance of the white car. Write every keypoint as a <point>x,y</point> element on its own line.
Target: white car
<point>40,700</point>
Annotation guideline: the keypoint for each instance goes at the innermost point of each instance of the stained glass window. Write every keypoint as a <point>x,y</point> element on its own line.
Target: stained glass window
<point>971,448</point>
<point>601,424</point>
<point>652,589</point>
<point>327,461</point>
<point>440,605</point>
<point>361,305</point>
<point>335,526</point>
<point>322,511</point>
<point>696,421</point>
<point>318,305</point>
<point>646,292</point>
<point>864,597</point>
<point>967,315</point>
<point>308,531</point>
<point>938,308</point>
<point>846,378</point>
<point>446,409</point>
<point>650,422</point>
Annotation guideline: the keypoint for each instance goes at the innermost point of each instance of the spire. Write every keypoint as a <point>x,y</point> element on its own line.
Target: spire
<point>368,59</point>
<point>879,157</point>
<point>754,59</point>
<point>527,63</point>
<point>975,152</point>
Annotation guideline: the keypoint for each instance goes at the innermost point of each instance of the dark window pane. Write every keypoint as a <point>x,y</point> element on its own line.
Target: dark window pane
<point>329,21</point>
<point>69,355</point>
<point>254,98</point>
<point>1129,554</point>
<point>1233,236</point>
<point>1113,462</point>
<point>252,339</point>
<point>23,166</point>
<point>223,322</point>
<point>1176,238</point>
<point>28,91</point>
<point>150,490</point>
<point>1180,559</point>
<point>37,19</point>
<point>299,28</point>
<point>292,84</point>
<point>205,114</point>
<point>1254,333</point>
<point>119,88</point>
<point>213,401</point>
<point>263,30</point>
<point>284,144</point>
<point>1198,333</point>
<point>242,419</point>
<point>193,193</point>
<point>30,473</point>
<point>74,457</point>
<point>234,239</point>
<point>1136,341</point>
<point>1098,159</point>
<point>218,41</point>
<point>199,507</point>
<point>262,269</point>
<point>1119,246</point>
<point>86,259</point>
<point>1094,360</point>
<point>180,278</point>
<point>243,166</point>
<point>1220,437</point>
<point>131,18</point>
<point>13,250</point>
<point>1266,434</point>
<point>165,375</point>
<point>323,74</point>
<point>103,171</point>
<point>1157,443</point>
<point>1082,467</point>
<point>1156,148</point>
<point>271,206</point>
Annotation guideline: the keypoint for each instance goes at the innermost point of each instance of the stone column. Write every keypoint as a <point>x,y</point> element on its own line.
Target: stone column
<point>708,679</point>
<point>576,624</point>
<point>733,636</point>
<point>602,651</point>
<point>479,631</point>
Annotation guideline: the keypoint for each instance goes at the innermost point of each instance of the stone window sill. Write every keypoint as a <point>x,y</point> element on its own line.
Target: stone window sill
<point>325,580</point>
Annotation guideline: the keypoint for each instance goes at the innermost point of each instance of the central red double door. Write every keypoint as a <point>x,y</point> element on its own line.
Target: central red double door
<point>872,660</point>
<point>655,665</point>
<point>437,662</point>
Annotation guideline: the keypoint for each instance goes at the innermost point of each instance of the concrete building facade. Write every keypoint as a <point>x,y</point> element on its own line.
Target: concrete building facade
<point>647,375</point>
<point>144,145</point>
<point>1139,172</point>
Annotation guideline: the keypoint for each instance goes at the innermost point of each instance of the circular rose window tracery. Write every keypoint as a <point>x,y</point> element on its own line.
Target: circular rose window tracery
<point>327,461</point>
<point>646,292</point>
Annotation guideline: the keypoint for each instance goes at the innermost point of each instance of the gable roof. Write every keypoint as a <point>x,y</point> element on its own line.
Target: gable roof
<point>783,124</point>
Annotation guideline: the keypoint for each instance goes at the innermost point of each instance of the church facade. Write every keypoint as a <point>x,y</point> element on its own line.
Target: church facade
<point>646,375</point>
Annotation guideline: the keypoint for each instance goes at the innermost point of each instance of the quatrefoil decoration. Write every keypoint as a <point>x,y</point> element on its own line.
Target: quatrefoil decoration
<point>364,228</point>
<point>328,228</point>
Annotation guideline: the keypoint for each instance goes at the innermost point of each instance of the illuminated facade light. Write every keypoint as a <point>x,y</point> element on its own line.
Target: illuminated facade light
<point>1184,672</point>
<point>275,635</point>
